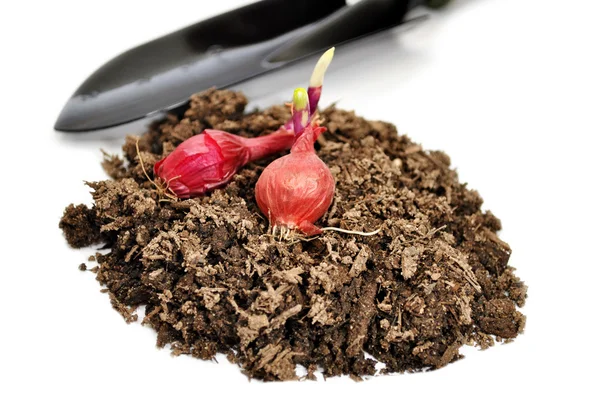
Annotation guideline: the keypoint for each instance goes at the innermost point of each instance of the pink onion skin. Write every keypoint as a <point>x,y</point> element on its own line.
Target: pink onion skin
<point>210,159</point>
<point>296,190</point>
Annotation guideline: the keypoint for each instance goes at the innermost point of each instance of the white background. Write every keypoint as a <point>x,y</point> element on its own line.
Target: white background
<point>508,88</point>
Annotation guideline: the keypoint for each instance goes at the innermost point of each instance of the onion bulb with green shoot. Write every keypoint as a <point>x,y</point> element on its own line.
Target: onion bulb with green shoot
<point>296,190</point>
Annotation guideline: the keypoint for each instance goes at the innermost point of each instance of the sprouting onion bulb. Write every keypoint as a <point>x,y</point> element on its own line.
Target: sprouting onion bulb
<point>295,190</point>
<point>209,160</point>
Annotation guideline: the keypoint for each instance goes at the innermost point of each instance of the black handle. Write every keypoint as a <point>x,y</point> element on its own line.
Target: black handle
<point>348,23</point>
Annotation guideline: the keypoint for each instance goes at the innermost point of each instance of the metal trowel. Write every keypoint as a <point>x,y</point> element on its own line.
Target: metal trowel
<point>222,51</point>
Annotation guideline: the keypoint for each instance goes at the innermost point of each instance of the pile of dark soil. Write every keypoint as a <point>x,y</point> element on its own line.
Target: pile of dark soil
<point>213,280</point>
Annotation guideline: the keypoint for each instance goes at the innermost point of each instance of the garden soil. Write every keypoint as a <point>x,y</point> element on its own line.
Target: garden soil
<point>212,279</point>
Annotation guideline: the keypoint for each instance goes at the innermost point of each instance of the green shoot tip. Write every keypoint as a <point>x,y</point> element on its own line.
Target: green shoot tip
<point>300,99</point>
<point>318,74</point>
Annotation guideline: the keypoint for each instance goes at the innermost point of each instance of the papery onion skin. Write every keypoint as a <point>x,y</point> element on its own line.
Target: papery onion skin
<point>210,159</point>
